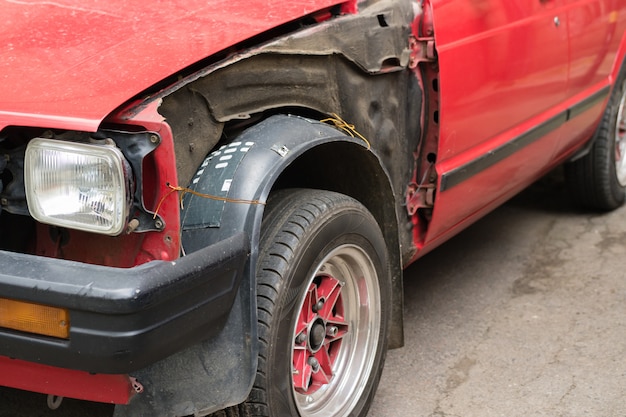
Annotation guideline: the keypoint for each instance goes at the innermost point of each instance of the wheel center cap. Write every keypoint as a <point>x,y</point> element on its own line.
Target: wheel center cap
<point>317,335</point>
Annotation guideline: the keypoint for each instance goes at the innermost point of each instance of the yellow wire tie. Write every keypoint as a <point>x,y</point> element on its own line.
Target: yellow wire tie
<point>346,127</point>
<point>185,190</point>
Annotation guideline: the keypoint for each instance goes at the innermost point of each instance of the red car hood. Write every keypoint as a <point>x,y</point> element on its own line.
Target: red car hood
<point>69,63</point>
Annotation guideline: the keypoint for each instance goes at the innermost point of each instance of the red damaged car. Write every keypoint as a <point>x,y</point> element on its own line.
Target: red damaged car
<point>210,204</point>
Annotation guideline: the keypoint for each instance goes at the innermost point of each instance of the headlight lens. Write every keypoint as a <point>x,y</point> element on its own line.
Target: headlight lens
<point>77,185</point>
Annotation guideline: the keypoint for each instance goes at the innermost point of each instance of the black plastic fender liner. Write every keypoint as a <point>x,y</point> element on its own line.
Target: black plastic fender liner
<point>219,372</point>
<point>3,164</point>
<point>255,160</point>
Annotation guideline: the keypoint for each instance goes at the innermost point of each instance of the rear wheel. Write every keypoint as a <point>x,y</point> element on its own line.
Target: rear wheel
<point>598,179</point>
<point>323,288</point>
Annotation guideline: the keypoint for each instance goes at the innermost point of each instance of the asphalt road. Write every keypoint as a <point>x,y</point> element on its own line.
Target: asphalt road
<point>522,314</point>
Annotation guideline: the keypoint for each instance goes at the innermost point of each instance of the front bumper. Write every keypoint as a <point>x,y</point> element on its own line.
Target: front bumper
<point>122,320</point>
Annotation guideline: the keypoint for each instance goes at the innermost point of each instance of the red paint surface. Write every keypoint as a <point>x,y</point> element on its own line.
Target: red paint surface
<point>596,29</point>
<point>114,389</point>
<point>163,245</point>
<point>73,62</point>
<point>504,65</point>
<point>506,69</point>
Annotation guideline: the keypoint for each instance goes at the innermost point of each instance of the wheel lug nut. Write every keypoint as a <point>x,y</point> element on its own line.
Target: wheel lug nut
<point>300,338</point>
<point>331,331</point>
<point>314,363</point>
<point>318,306</point>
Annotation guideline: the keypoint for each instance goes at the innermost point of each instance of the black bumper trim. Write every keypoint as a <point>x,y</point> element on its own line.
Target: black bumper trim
<point>122,320</point>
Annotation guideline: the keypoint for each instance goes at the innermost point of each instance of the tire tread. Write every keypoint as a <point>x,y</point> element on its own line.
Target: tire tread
<point>289,214</point>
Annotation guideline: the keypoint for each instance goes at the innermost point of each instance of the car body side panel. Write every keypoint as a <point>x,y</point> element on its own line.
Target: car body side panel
<point>506,63</point>
<point>596,29</point>
<point>502,73</point>
<point>81,59</point>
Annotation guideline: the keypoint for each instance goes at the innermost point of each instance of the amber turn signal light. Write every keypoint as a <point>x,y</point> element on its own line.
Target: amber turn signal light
<point>34,318</point>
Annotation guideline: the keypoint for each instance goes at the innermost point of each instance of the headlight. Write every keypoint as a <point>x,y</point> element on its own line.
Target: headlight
<point>77,185</point>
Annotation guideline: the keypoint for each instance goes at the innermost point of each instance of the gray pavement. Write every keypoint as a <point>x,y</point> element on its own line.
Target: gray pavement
<point>522,314</point>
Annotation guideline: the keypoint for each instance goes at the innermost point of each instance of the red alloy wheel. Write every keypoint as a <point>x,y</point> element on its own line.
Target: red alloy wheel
<point>336,333</point>
<point>319,332</point>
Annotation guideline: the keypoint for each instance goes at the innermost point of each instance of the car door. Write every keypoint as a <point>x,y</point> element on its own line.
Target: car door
<point>503,68</point>
<point>595,30</point>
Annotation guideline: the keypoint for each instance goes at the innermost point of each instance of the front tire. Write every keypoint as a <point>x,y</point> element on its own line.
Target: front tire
<point>323,294</point>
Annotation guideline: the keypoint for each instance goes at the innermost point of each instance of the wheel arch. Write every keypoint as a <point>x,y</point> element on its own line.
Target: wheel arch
<point>288,151</point>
